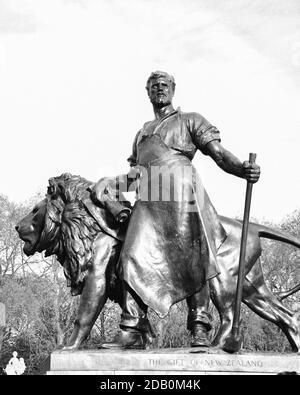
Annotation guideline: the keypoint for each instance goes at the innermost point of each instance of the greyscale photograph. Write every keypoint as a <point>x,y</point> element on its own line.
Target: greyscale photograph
<point>149,190</point>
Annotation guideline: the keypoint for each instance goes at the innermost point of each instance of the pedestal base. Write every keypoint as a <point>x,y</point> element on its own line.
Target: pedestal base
<point>169,362</point>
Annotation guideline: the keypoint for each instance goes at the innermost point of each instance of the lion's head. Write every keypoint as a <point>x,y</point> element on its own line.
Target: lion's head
<point>64,225</point>
<point>31,227</point>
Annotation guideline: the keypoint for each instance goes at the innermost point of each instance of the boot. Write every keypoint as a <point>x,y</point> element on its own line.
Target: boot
<point>199,335</point>
<point>127,339</point>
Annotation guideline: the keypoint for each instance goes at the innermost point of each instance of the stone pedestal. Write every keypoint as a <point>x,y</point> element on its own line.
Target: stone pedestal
<point>169,362</point>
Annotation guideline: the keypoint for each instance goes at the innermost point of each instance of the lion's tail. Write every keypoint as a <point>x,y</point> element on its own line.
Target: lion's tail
<point>274,234</point>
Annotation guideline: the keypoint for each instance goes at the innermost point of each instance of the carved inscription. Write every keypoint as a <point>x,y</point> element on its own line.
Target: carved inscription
<point>233,363</point>
<point>168,362</point>
<point>212,363</point>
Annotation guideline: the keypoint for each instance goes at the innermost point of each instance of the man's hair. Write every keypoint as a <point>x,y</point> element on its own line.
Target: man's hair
<point>161,74</point>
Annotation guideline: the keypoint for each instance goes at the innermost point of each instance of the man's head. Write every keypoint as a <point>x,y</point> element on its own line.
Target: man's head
<point>161,88</point>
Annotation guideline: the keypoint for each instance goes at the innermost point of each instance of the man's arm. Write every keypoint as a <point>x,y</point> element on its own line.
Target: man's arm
<point>231,164</point>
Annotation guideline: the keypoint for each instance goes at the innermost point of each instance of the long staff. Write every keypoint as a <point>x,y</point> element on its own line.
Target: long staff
<point>234,340</point>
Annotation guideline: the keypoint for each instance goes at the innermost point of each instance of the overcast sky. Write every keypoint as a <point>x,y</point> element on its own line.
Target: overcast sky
<point>72,89</point>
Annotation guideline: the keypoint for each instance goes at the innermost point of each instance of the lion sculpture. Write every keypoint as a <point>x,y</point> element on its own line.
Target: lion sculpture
<point>87,241</point>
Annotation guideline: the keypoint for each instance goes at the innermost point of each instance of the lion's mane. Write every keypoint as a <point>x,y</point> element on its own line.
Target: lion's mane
<point>69,229</point>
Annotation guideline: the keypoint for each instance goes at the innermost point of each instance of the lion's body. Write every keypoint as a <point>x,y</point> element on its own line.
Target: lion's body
<point>88,245</point>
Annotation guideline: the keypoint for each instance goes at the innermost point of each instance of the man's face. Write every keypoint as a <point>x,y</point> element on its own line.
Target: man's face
<point>160,92</point>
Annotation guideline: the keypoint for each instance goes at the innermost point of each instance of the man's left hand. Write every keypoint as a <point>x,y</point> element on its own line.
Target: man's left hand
<point>251,171</point>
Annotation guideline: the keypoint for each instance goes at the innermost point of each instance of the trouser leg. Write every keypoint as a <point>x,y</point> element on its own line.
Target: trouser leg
<point>134,311</point>
<point>198,305</point>
<point>199,319</point>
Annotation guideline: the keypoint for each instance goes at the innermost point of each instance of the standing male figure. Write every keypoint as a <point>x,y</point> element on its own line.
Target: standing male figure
<point>174,232</point>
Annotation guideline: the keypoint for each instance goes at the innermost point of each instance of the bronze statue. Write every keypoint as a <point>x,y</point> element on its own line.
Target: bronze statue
<point>171,244</point>
<point>87,241</point>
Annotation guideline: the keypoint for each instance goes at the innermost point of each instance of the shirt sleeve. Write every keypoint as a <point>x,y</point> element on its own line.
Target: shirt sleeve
<point>202,132</point>
<point>133,157</point>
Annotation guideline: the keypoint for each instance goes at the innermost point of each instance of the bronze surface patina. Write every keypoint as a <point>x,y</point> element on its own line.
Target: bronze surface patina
<point>171,244</point>
<point>87,240</point>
